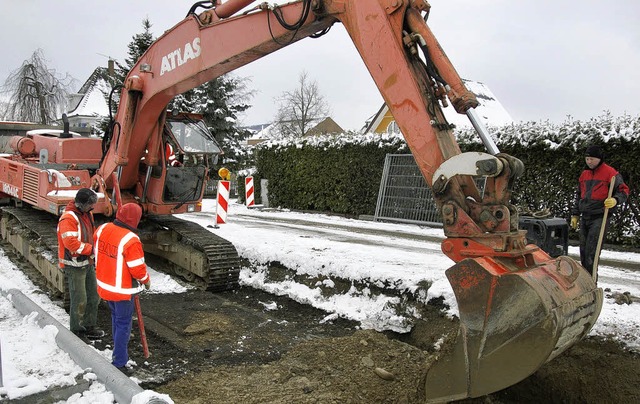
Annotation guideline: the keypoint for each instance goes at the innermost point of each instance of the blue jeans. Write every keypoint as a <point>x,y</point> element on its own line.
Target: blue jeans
<point>121,319</point>
<point>83,293</point>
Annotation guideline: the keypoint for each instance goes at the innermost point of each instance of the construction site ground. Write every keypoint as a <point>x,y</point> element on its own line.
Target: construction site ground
<point>226,348</point>
<point>233,347</point>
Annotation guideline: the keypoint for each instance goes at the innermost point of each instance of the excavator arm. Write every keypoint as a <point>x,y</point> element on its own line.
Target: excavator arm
<point>195,51</point>
<point>518,307</point>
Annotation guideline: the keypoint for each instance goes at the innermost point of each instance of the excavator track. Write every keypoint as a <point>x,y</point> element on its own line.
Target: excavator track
<point>33,234</point>
<point>199,256</point>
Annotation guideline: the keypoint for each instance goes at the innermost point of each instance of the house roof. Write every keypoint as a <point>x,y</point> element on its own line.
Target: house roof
<point>269,131</point>
<point>92,94</point>
<point>490,110</point>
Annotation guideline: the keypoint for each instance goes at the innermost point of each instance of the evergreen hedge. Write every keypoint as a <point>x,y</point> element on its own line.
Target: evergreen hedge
<point>341,174</point>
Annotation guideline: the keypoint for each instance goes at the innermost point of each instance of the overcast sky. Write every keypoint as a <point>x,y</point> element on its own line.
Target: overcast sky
<point>542,59</point>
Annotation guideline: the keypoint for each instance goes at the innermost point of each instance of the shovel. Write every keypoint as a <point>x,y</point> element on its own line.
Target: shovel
<point>602,230</point>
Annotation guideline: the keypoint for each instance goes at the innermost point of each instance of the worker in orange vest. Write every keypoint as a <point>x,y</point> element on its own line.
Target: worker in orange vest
<point>121,273</point>
<point>170,156</point>
<point>75,251</point>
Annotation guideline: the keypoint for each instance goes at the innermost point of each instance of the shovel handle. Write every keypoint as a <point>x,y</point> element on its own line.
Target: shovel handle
<point>602,229</point>
<point>143,334</point>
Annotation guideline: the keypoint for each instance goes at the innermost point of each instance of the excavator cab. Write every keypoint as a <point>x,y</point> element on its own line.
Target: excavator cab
<point>188,151</point>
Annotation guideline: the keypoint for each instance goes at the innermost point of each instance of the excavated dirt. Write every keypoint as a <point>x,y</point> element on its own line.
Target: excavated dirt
<point>248,346</point>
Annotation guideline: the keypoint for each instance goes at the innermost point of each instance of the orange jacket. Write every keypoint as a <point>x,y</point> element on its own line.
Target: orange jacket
<point>119,262</point>
<point>170,156</point>
<point>75,230</point>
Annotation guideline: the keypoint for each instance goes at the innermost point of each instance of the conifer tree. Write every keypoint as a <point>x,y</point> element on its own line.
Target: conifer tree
<point>137,47</point>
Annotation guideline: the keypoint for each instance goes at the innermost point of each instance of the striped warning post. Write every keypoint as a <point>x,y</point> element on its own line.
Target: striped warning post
<point>223,201</point>
<point>248,191</point>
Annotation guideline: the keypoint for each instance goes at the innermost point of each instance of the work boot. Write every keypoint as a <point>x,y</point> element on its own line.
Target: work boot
<point>93,333</point>
<point>79,333</point>
<point>125,370</point>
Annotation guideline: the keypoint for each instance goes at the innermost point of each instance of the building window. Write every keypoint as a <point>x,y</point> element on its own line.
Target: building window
<point>393,128</point>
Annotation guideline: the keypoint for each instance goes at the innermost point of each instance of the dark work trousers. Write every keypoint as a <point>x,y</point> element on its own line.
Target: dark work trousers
<point>121,319</point>
<point>83,293</point>
<point>589,234</point>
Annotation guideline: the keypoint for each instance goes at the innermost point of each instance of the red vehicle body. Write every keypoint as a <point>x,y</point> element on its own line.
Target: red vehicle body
<point>518,306</point>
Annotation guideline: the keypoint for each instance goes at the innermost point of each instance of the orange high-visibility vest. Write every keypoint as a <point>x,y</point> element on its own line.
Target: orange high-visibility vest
<point>74,239</point>
<point>119,261</point>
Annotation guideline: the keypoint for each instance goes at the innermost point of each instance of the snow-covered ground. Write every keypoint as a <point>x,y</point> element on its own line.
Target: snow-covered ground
<point>31,361</point>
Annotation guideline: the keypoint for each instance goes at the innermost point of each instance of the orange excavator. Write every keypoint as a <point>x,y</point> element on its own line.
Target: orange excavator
<point>518,307</point>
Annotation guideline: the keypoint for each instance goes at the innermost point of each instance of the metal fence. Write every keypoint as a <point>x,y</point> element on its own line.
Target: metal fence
<point>404,195</point>
<point>211,187</point>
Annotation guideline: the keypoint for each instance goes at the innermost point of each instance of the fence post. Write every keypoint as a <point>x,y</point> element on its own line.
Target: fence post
<point>383,183</point>
<point>1,383</point>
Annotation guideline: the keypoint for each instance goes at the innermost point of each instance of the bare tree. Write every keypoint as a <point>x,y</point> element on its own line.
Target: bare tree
<point>300,107</point>
<point>36,93</point>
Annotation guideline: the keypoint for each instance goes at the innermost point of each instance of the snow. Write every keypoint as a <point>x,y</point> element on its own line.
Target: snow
<point>490,110</point>
<point>31,361</point>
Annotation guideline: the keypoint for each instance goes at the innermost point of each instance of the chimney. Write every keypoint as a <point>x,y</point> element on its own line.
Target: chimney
<point>65,132</point>
<point>111,68</point>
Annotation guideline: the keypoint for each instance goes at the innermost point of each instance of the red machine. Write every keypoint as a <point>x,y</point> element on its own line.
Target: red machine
<point>518,306</point>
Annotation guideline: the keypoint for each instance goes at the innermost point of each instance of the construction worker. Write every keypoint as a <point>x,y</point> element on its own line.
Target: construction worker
<point>591,200</point>
<point>75,253</point>
<point>120,269</point>
<point>170,156</point>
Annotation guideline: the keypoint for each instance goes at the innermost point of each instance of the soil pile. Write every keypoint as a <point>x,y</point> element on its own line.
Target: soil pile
<point>365,367</point>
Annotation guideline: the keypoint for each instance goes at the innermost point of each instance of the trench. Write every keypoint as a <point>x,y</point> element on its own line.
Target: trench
<point>202,344</point>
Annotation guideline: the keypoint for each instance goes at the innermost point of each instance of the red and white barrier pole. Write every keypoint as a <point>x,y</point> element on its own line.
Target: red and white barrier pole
<point>223,201</point>
<point>248,192</point>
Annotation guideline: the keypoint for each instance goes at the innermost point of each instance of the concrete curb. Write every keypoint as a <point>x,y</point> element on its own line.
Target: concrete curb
<point>123,388</point>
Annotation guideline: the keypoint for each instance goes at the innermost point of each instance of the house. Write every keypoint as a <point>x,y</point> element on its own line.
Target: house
<point>269,131</point>
<point>490,111</point>
<point>89,105</point>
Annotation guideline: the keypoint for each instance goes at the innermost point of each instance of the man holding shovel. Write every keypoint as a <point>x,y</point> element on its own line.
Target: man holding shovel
<point>121,273</point>
<point>600,188</point>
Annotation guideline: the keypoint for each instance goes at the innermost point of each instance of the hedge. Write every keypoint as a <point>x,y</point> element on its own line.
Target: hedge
<point>341,174</point>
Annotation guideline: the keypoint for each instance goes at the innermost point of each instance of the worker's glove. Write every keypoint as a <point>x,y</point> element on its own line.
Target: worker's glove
<point>574,222</point>
<point>147,285</point>
<point>610,203</point>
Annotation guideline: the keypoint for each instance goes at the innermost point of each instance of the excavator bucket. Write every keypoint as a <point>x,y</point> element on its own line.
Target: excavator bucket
<point>511,323</point>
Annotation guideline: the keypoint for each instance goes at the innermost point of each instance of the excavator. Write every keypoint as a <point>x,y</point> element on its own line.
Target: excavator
<point>518,307</point>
